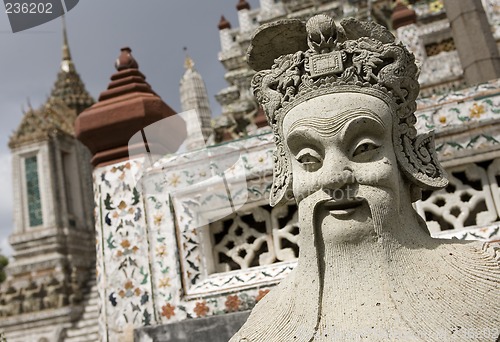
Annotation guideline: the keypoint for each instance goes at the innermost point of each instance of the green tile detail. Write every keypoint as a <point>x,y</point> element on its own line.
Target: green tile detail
<point>33,190</point>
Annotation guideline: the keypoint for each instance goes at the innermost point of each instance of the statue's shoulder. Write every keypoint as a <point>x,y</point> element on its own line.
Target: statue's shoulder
<point>492,249</point>
<point>473,255</point>
<point>268,312</point>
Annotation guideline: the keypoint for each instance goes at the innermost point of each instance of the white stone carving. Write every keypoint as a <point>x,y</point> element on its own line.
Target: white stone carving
<point>466,201</point>
<point>368,269</point>
<point>287,232</point>
<point>494,180</point>
<point>242,242</point>
<point>246,246</point>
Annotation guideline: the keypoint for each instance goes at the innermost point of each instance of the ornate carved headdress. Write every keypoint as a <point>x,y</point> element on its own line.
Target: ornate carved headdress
<point>297,61</point>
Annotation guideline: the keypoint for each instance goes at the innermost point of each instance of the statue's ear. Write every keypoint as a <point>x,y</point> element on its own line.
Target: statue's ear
<point>418,159</point>
<point>282,176</point>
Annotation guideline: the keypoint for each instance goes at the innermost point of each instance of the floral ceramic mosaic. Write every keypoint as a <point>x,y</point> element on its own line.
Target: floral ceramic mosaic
<point>154,250</point>
<point>429,8</point>
<point>139,238</point>
<point>492,9</point>
<point>463,121</point>
<point>490,233</point>
<point>123,272</point>
<point>460,109</point>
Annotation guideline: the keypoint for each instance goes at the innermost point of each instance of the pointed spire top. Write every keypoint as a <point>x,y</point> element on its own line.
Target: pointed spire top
<point>28,101</point>
<point>67,63</point>
<point>66,54</point>
<point>223,23</point>
<point>69,87</point>
<point>188,61</point>
<point>242,4</point>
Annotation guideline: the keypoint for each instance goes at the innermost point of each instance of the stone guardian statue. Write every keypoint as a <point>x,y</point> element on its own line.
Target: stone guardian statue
<point>341,101</point>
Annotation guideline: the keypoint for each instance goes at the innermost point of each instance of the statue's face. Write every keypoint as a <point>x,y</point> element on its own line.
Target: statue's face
<point>341,145</point>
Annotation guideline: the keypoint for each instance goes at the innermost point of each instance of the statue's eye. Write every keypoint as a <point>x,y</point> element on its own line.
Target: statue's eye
<point>309,159</point>
<point>364,148</point>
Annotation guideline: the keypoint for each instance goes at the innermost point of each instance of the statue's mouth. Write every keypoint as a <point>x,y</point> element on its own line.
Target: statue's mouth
<point>343,207</point>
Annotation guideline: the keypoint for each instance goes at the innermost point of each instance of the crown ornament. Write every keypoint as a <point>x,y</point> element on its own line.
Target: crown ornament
<point>296,62</point>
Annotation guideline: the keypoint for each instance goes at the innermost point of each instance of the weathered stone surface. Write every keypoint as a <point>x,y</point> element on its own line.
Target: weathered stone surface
<point>218,328</point>
<point>280,36</point>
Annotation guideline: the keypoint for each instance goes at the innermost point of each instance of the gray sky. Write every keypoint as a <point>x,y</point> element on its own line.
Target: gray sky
<point>156,30</point>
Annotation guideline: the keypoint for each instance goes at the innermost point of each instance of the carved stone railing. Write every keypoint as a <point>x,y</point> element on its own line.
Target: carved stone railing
<point>470,200</point>
<point>257,237</point>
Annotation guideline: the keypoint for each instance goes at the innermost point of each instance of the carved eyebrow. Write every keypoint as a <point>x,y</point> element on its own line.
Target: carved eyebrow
<point>327,127</point>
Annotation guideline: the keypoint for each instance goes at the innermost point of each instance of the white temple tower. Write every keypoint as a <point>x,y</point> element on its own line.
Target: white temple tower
<point>194,97</point>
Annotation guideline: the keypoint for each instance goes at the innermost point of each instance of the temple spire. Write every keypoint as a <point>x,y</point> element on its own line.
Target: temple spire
<point>188,61</point>
<point>66,53</point>
<point>69,87</point>
<point>193,94</point>
<point>223,23</point>
<point>67,63</point>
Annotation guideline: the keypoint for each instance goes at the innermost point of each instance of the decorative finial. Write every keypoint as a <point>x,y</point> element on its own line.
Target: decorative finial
<point>126,60</point>
<point>242,4</point>
<point>223,23</point>
<point>67,63</point>
<point>402,15</point>
<point>321,33</point>
<point>66,53</point>
<point>188,61</point>
<point>30,107</point>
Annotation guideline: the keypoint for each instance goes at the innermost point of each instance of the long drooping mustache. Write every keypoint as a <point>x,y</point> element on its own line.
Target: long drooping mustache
<point>322,195</point>
<point>379,214</point>
<point>311,261</point>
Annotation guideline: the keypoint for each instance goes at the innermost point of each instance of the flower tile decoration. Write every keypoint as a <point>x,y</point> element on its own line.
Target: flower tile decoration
<point>459,109</point>
<point>464,122</point>
<point>428,8</point>
<point>122,250</point>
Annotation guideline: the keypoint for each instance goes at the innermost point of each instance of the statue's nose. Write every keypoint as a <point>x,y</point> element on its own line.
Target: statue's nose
<point>337,178</point>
